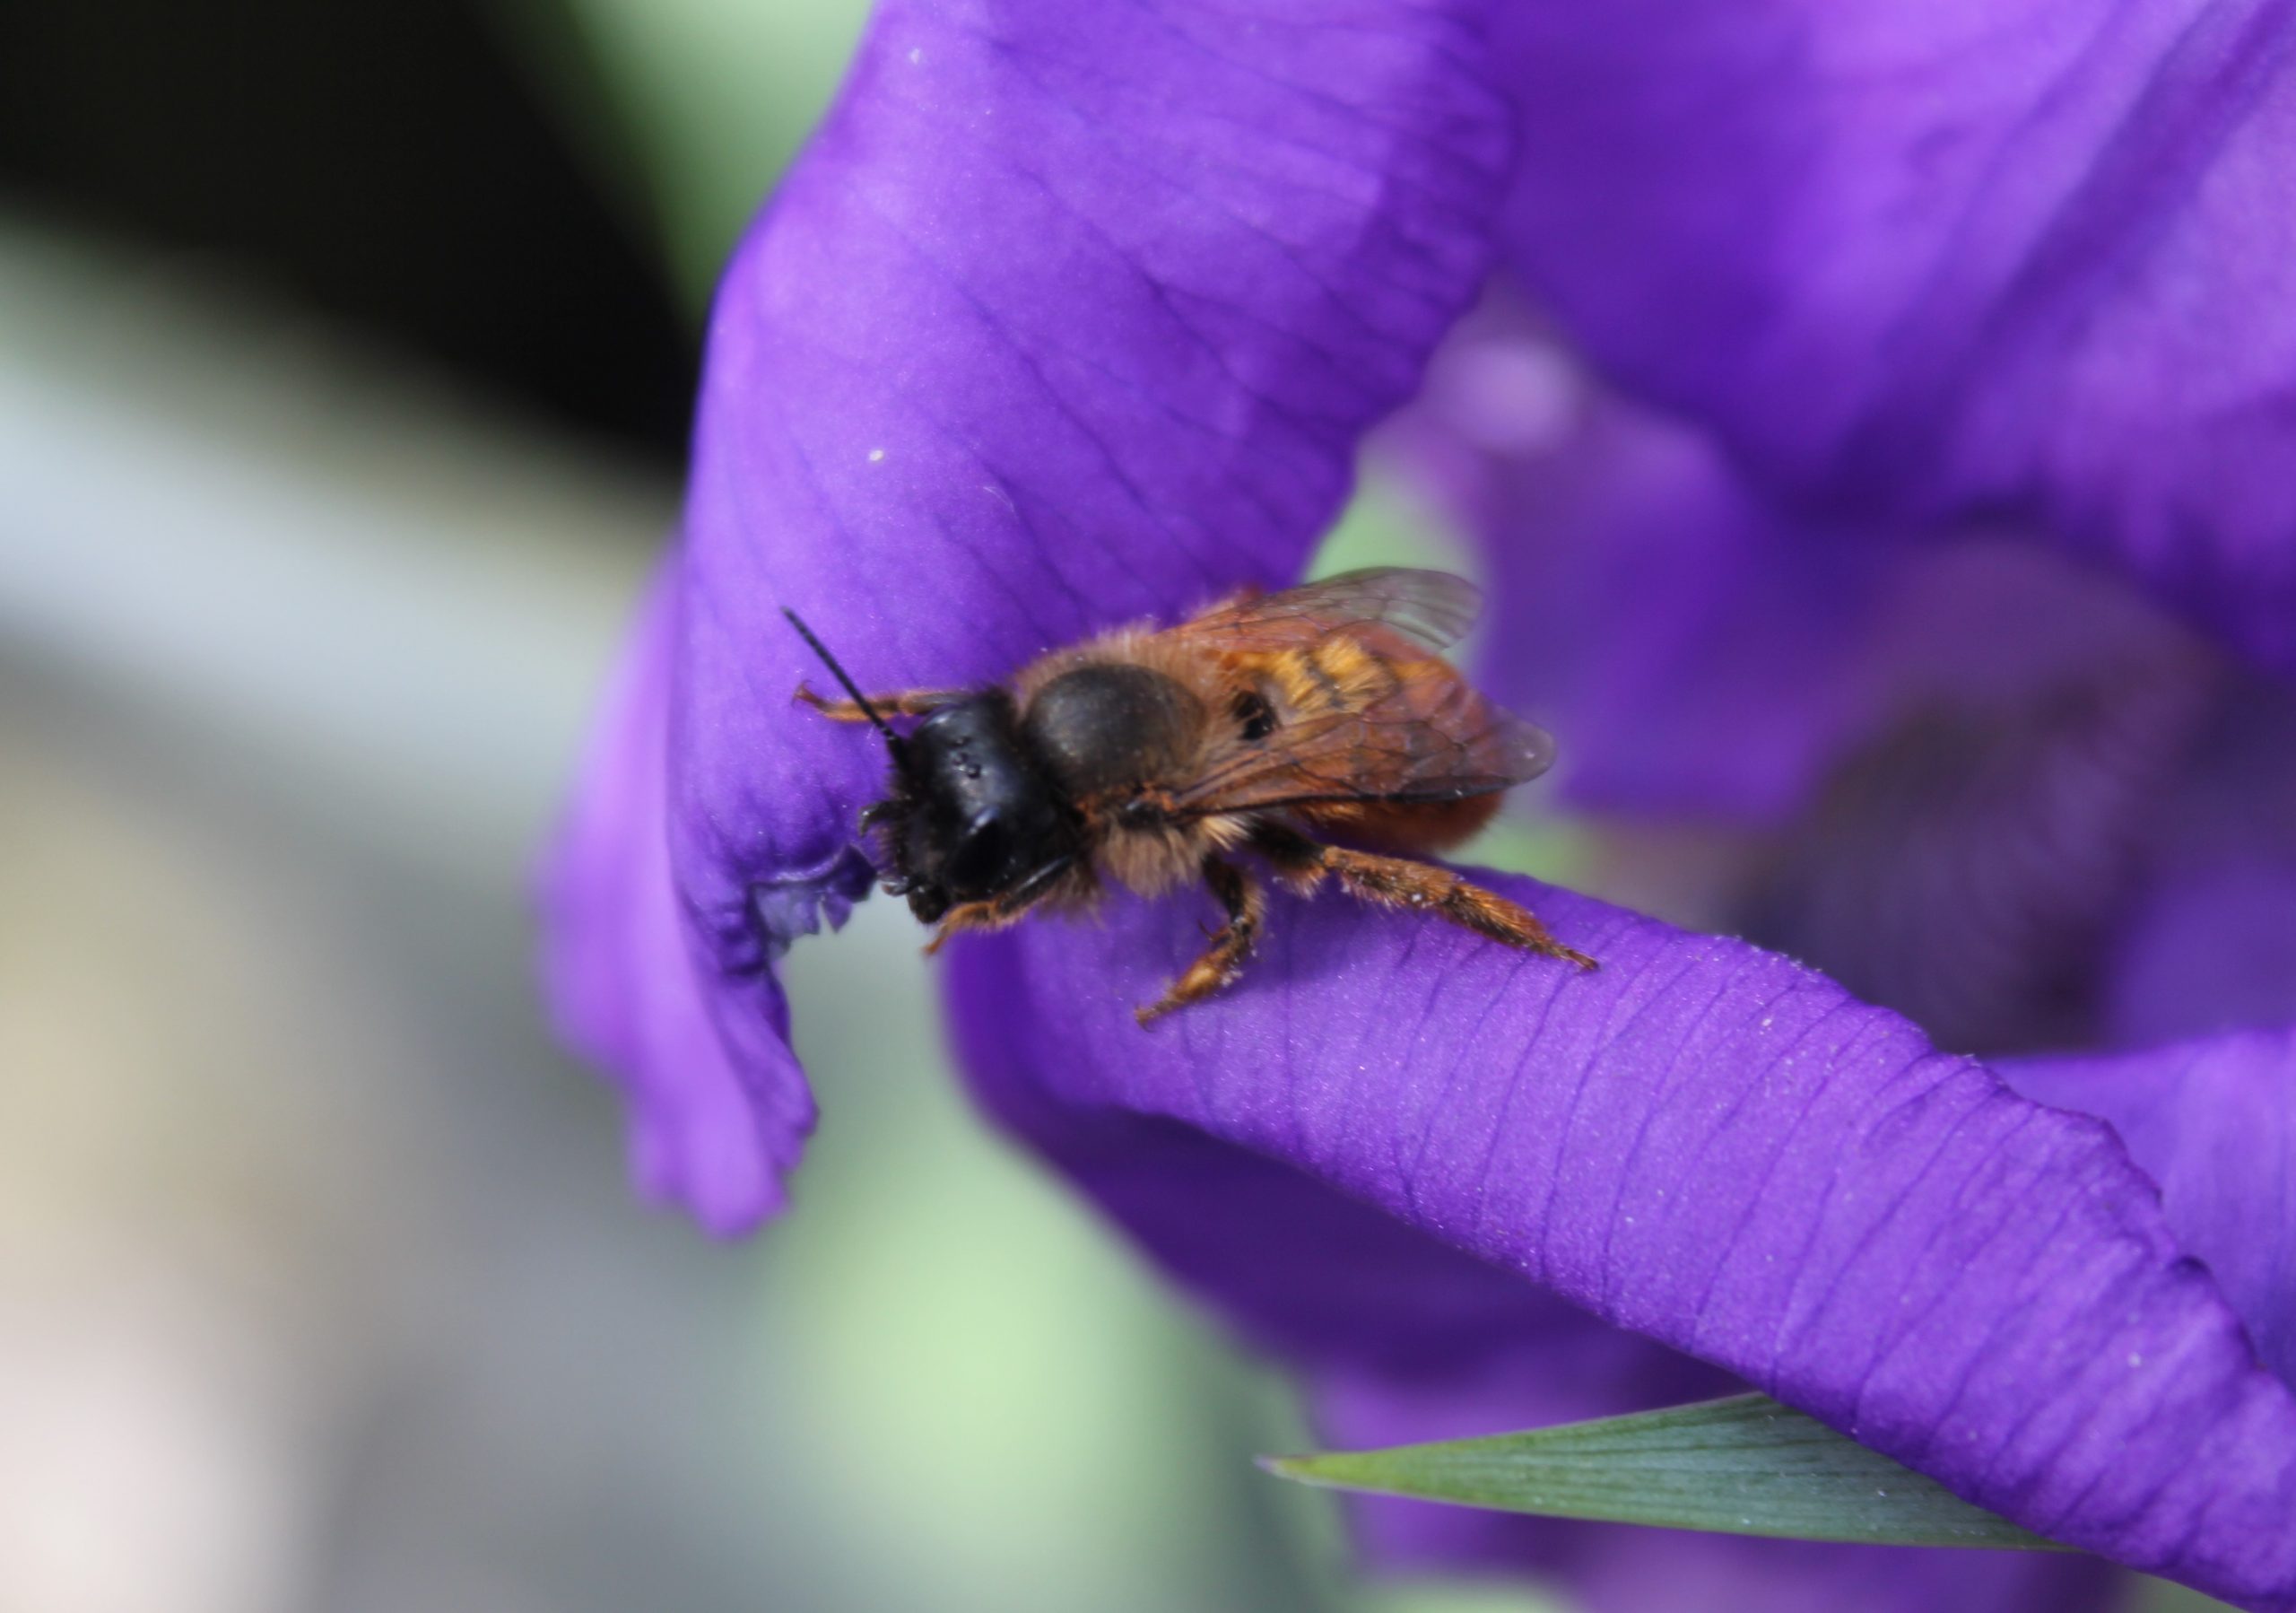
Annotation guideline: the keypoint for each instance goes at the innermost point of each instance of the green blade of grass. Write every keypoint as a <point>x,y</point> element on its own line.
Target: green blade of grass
<point>1745,1465</point>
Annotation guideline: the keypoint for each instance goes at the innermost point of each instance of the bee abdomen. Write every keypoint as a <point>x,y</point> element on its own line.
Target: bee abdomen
<point>1335,676</point>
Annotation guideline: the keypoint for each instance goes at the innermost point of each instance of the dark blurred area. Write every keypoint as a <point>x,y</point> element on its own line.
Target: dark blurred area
<point>395,166</point>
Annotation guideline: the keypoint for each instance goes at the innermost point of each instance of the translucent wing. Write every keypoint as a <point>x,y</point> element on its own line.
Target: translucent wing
<point>1430,609</point>
<point>1341,698</point>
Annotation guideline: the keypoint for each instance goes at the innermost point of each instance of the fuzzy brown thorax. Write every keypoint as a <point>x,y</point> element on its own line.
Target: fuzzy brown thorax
<point>1106,729</point>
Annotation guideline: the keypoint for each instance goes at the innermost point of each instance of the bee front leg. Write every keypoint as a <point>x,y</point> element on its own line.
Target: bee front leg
<point>1247,908</point>
<point>1000,912</point>
<point>1399,882</point>
<point>971,916</point>
<point>908,703</point>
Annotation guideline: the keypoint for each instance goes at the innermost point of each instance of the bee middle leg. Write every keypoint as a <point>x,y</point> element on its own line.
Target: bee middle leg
<point>1246,903</point>
<point>1400,882</point>
<point>905,702</point>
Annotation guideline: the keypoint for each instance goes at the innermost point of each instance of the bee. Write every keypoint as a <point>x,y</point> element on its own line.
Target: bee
<point>1318,730</point>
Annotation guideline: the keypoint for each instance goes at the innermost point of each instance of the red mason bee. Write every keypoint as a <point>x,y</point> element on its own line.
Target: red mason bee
<point>1270,724</point>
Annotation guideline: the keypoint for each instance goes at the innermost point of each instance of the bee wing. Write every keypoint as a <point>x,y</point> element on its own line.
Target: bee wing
<point>1430,609</point>
<point>1434,739</point>
<point>1364,708</point>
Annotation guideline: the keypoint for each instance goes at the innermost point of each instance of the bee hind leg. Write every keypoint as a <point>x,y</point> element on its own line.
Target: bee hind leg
<point>906,703</point>
<point>1399,882</point>
<point>1246,903</point>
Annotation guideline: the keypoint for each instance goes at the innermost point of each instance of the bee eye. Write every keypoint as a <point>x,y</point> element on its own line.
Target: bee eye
<point>1253,715</point>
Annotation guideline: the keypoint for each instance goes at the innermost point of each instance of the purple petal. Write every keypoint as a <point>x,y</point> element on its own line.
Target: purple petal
<point>1703,653</point>
<point>1694,1574</point>
<point>2212,945</point>
<point>1973,866</point>
<point>618,973</point>
<point>1070,314</point>
<point>2110,862</point>
<point>2003,796</point>
<point>1698,653</point>
<point>2212,949</point>
<point>2031,258</point>
<point>1398,1336</point>
<point>2213,1123</point>
<point>1714,1147</point>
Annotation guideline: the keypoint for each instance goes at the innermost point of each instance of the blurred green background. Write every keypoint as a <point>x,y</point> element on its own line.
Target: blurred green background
<point>345,355</point>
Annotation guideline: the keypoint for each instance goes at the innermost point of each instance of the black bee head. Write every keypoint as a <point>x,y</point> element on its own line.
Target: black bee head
<point>974,813</point>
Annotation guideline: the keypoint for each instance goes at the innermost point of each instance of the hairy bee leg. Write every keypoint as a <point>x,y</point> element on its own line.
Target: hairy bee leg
<point>908,703</point>
<point>1298,861</point>
<point>1247,907</point>
<point>972,916</point>
<point>1399,882</point>
<point>1001,912</point>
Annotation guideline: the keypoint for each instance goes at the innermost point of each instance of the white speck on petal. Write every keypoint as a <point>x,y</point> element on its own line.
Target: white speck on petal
<point>917,56</point>
<point>875,454</point>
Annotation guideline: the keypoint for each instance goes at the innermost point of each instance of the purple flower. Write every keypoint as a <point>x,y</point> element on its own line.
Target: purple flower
<point>1075,314</point>
<point>1914,262</point>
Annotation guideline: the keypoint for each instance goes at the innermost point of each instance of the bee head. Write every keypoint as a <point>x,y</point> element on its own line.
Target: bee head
<point>974,813</point>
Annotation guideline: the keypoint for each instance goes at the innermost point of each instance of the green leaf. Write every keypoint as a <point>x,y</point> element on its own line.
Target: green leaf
<point>1742,1466</point>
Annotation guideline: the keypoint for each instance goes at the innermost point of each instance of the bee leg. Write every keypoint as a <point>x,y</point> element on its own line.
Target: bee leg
<point>1247,907</point>
<point>1001,911</point>
<point>908,702</point>
<point>971,916</point>
<point>1298,861</point>
<point>1399,882</point>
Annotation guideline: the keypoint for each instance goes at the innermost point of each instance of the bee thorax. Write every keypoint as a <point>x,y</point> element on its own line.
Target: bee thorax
<point>1107,725</point>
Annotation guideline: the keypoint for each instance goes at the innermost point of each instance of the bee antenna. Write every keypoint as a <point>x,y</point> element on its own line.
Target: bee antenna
<point>876,718</point>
